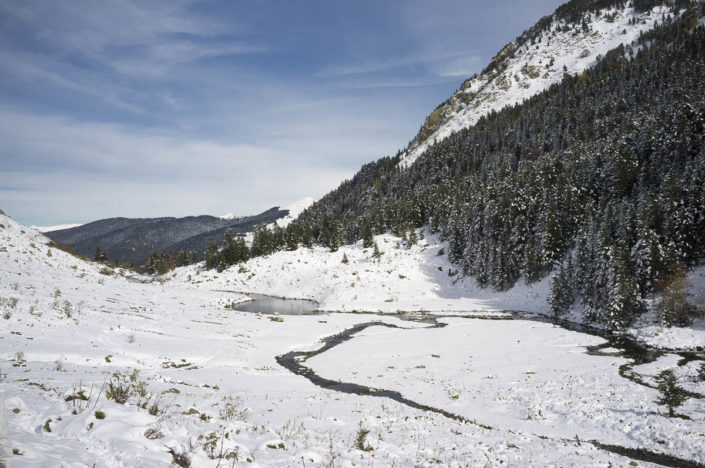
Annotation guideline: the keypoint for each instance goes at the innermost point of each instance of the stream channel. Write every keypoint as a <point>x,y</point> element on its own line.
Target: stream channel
<point>636,353</point>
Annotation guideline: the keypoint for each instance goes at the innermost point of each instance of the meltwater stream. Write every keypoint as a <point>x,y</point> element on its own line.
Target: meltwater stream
<point>295,361</point>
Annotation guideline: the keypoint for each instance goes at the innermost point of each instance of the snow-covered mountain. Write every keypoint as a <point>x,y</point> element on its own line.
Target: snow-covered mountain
<point>532,63</point>
<point>133,240</point>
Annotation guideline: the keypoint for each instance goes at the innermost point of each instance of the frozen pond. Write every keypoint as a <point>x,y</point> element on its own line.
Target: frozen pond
<point>275,305</point>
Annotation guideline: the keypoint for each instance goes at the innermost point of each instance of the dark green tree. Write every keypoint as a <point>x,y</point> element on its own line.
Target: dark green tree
<point>672,395</point>
<point>100,255</point>
<point>212,256</point>
<point>376,253</point>
<point>367,239</point>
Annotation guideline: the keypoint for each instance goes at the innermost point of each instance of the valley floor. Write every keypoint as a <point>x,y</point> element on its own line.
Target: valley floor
<point>204,379</point>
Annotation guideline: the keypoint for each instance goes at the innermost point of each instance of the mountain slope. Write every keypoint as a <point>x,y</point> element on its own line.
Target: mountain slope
<point>567,42</point>
<point>599,178</point>
<point>134,240</point>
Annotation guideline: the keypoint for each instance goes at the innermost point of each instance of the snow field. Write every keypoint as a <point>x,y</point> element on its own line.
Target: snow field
<point>529,377</point>
<point>211,371</point>
<point>415,279</point>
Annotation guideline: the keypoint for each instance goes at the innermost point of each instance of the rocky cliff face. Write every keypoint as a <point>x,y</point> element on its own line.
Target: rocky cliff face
<point>564,42</point>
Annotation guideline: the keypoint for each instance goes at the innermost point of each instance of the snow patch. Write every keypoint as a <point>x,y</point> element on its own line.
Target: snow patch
<point>58,227</point>
<point>295,209</point>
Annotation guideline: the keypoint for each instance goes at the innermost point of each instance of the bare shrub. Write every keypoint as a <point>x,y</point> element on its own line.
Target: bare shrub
<point>233,409</point>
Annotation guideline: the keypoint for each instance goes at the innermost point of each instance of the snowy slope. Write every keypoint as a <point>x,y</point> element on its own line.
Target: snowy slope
<point>525,69</point>
<point>204,370</point>
<point>415,279</point>
<point>295,210</point>
<point>58,227</point>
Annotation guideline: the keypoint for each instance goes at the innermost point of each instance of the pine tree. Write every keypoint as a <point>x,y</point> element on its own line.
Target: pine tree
<point>229,252</point>
<point>100,255</point>
<point>345,259</point>
<point>212,256</point>
<point>151,266</point>
<point>162,263</point>
<point>293,236</point>
<point>672,395</point>
<point>376,253</point>
<point>412,238</point>
<point>560,298</point>
<point>532,264</point>
<point>307,236</point>
<point>367,239</point>
<point>624,297</point>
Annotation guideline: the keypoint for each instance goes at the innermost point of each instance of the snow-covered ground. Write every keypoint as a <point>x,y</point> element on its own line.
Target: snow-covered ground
<point>58,227</point>
<point>525,376</point>
<point>533,68</point>
<point>208,380</point>
<point>415,279</point>
<point>410,280</point>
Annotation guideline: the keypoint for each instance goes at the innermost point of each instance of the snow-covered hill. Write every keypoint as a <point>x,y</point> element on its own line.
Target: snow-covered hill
<point>402,279</point>
<point>202,379</point>
<point>58,227</point>
<point>531,64</point>
<point>411,279</point>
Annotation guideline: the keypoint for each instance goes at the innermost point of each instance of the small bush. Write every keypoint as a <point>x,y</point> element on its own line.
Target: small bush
<point>47,427</point>
<point>233,410</point>
<point>68,309</point>
<point>100,415</point>
<point>181,455</point>
<point>360,439</point>
<point>155,408</point>
<point>80,395</point>
<point>118,390</point>
<point>9,302</point>
<point>153,433</point>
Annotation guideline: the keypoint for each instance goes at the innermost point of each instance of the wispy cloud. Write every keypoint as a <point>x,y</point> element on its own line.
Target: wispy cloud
<point>151,107</point>
<point>460,67</point>
<point>59,161</point>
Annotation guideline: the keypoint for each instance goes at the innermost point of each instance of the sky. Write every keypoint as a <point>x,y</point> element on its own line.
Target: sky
<point>142,108</point>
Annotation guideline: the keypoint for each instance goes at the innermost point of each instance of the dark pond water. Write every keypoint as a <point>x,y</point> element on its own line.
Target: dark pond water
<point>274,305</point>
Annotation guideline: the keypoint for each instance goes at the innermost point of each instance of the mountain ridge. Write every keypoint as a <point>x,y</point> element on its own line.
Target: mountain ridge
<point>566,42</point>
<point>133,240</point>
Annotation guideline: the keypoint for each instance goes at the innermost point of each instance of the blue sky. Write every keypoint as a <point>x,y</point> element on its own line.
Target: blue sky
<point>168,108</point>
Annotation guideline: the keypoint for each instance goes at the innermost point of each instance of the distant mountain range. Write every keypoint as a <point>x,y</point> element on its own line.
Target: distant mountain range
<point>133,240</point>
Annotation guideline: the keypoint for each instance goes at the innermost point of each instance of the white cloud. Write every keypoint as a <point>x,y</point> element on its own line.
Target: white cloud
<point>80,171</point>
